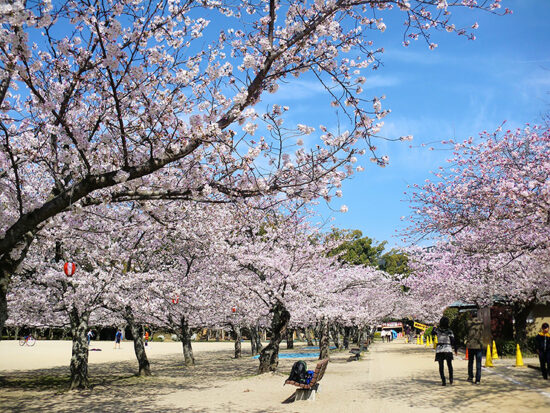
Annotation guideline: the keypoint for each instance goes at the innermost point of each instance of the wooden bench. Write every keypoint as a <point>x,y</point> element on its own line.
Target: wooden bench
<point>356,354</point>
<point>308,391</point>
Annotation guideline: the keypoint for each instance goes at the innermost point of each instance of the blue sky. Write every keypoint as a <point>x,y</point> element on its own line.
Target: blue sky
<point>455,91</point>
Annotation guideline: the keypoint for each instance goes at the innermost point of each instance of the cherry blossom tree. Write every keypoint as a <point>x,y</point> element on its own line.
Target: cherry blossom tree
<point>492,207</point>
<point>132,100</point>
<point>43,295</point>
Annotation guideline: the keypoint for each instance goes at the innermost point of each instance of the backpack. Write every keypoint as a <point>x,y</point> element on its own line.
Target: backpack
<point>299,372</point>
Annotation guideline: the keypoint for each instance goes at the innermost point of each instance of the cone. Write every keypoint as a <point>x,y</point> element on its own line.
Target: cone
<point>435,341</point>
<point>519,359</point>
<point>495,354</point>
<point>466,358</point>
<point>489,359</point>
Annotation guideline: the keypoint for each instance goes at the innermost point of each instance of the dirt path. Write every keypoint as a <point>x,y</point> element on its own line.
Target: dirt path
<point>391,377</point>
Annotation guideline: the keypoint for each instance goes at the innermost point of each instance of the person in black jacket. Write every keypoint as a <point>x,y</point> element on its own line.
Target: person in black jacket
<point>543,349</point>
<point>444,349</point>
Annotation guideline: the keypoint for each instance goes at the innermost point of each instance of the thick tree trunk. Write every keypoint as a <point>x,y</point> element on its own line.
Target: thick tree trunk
<point>309,335</point>
<point>255,340</point>
<point>323,339</point>
<point>139,348</point>
<point>269,356</point>
<point>253,333</point>
<point>347,333</point>
<point>335,330</point>
<point>358,336</point>
<point>79,359</point>
<point>185,337</point>
<point>521,311</point>
<point>290,338</point>
<point>237,336</point>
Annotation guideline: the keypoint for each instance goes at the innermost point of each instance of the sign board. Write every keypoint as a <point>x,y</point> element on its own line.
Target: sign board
<point>392,324</point>
<point>420,326</point>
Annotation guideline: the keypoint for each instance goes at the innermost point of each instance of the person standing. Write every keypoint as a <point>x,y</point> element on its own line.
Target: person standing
<point>444,349</point>
<point>543,349</point>
<point>118,338</point>
<point>146,337</point>
<point>474,347</point>
<point>89,336</point>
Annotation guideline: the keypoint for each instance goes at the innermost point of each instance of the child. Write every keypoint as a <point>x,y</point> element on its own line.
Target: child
<point>118,338</point>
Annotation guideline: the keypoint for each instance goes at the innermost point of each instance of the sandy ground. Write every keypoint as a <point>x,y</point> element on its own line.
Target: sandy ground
<point>55,353</point>
<point>391,377</point>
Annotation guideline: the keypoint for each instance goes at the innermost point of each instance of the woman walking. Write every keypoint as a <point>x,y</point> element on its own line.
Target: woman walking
<point>444,349</point>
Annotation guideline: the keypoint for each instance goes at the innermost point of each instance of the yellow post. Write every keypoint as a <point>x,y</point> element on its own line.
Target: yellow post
<point>519,359</point>
<point>435,341</point>
<point>489,360</point>
<point>495,354</point>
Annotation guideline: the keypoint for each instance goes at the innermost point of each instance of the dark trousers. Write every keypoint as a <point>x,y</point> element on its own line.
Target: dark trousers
<point>477,354</point>
<point>544,359</point>
<point>442,372</point>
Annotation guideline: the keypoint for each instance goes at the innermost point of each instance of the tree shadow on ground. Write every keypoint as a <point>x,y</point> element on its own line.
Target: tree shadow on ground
<point>423,391</point>
<point>115,386</point>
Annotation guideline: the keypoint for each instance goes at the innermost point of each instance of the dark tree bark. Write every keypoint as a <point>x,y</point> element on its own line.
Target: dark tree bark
<point>269,356</point>
<point>185,337</point>
<point>139,348</point>
<point>346,334</point>
<point>521,311</point>
<point>255,340</point>
<point>323,339</point>
<point>309,335</point>
<point>237,336</point>
<point>335,330</point>
<point>79,359</point>
<point>290,338</point>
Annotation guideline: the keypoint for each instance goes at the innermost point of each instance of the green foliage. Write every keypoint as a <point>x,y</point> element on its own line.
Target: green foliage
<point>356,249</point>
<point>458,323</point>
<point>395,262</point>
<point>428,331</point>
<point>506,347</point>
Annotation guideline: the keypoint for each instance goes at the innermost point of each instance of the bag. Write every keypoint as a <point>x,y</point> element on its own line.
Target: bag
<point>299,372</point>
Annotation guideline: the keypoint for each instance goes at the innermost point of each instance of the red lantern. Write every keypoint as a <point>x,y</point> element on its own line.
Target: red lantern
<point>69,268</point>
<point>234,309</point>
<point>176,300</point>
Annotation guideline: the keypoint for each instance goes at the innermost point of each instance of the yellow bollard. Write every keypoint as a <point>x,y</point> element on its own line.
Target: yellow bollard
<point>435,341</point>
<point>519,358</point>
<point>494,355</point>
<point>488,359</point>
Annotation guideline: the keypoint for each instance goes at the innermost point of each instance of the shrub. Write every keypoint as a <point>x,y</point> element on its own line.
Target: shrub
<point>506,347</point>
<point>174,337</point>
<point>160,338</point>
